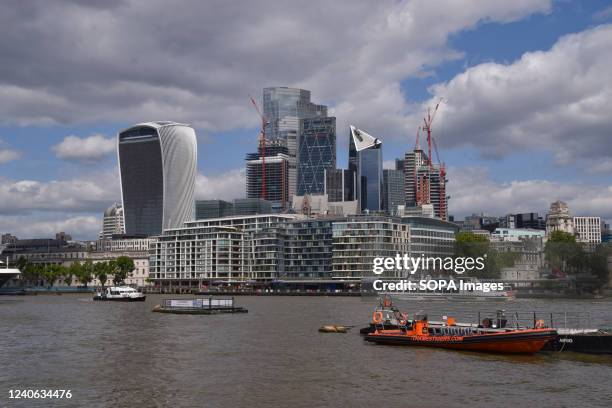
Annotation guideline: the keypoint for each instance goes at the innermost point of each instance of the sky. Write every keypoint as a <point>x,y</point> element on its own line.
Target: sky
<point>525,120</point>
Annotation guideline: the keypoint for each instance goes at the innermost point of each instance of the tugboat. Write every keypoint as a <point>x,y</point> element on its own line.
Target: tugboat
<point>120,294</point>
<point>418,332</point>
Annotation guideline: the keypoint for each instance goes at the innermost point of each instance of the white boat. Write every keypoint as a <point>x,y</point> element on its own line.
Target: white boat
<point>7,273</point>
<point>120,294</point>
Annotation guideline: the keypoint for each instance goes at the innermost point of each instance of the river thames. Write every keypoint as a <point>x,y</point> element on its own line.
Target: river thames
<point>123,355</point>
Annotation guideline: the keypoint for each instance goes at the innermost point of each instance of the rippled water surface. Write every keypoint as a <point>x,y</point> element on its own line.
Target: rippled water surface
<point>123,355</point>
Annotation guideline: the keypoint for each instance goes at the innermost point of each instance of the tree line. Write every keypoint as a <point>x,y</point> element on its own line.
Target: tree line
<point>562,253</point>
<point>116,270</point>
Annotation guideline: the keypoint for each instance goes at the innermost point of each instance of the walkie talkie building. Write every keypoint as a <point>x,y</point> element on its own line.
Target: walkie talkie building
<point>158,167</point>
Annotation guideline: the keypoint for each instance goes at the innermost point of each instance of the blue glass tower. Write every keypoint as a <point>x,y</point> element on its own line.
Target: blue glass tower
<point>316,153</point>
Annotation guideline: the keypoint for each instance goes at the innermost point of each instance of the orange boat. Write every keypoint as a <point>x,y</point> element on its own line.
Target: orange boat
<point>418,332</point>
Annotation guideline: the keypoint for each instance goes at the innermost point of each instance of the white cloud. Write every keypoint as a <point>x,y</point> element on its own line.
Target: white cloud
<point>88,149</point>
<point>226,186</point>
<point>557,100</point>
<point>121,62</point>
<point>85,194</point>
<point>472,190</point>
<point>8,155</point>
<point>80,227</point>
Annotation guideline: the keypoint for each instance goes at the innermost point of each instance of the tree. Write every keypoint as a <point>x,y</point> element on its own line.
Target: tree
<point>124,267</point>
<point>101,272</point>
<point>51,273</point>
<point>562,252</point>
<point>86,272</point>
<point>21,263</point>
<point>31,273</point>
<point>470,245</point>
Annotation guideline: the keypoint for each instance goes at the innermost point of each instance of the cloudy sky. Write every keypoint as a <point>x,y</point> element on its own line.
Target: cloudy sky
<point>527,84</point>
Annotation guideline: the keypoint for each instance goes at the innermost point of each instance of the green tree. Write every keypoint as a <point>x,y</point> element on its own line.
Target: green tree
<point>86,272</point>
<point>31,273</point>
<point>51,273</point>
<point>75,270</point>
<point>101,271</point>
<point>124,268</point>
<point>21,263</point>
<point>470,245</point>
<point>563,253</point>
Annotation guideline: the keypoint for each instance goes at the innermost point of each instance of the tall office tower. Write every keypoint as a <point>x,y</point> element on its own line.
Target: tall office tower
<point>112,223</point>
<point>316,153</point>
<point>367,150</point>
<point>277,174</point>
<point>399,164</point>
<point>424,183</point>
<point>393,190</point>
<point>158,166</point>
<point>340,185</point>
<point>283,108</point>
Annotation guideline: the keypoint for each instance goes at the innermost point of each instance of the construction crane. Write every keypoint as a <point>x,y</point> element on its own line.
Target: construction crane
<point>262,147</point>
<point>422,184</point>
<point>428,120</point>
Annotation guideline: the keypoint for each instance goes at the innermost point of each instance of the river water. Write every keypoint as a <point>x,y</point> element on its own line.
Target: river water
<point>123,355</point>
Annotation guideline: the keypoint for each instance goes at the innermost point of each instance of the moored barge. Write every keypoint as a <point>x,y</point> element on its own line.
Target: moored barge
<point>201,306</point>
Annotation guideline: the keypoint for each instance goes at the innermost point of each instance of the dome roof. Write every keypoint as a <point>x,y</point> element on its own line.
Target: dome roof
<point>112,210</point>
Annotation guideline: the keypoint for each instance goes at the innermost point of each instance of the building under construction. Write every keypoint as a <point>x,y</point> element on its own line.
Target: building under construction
<point>424,181</point>
<point>277,161</point>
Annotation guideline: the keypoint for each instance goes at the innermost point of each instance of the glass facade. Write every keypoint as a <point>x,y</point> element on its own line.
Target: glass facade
<point>142,181</point>
<point>339,185</point>
<point>284,107</point>
<point>393,190</point>
<point>370,178</point>
<point>316,153</point>
<point>213,209</point>
<point>157,162</point>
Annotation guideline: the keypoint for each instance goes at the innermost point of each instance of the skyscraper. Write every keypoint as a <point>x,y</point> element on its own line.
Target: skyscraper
<point>393,190</point>
<point>316,153</point>
<point>283,108</point>
<point>367,150</point>
<point>340,185</point>
<point>158,167</point>
<point>424,183</point>
<point>277,174</point>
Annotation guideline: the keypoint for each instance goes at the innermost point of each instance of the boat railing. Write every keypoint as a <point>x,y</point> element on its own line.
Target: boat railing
<point>513,319</point>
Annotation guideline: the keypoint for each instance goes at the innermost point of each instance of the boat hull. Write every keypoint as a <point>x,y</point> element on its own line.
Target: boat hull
<point>591,343</point>
<point>520,342</point>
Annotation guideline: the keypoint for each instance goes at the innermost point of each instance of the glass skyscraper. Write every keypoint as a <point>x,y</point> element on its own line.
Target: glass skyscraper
<point>365,156</point>
<point>393,190</point>
<point>316,153</point>
<point>370,176</point>
<point>158,167</point>
<point>283,108</point>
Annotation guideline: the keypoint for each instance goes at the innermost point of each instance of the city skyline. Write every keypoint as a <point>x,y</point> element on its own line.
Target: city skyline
<point>58,163</point>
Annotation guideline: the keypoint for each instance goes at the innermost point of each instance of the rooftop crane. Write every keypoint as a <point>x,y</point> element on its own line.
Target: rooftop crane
<point>428,120</point>
<point>262,146</point>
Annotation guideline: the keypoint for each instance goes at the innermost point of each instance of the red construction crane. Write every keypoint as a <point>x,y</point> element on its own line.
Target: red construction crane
<point>428,120</point>
<point>422,184</point>
<point>262,146</point>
